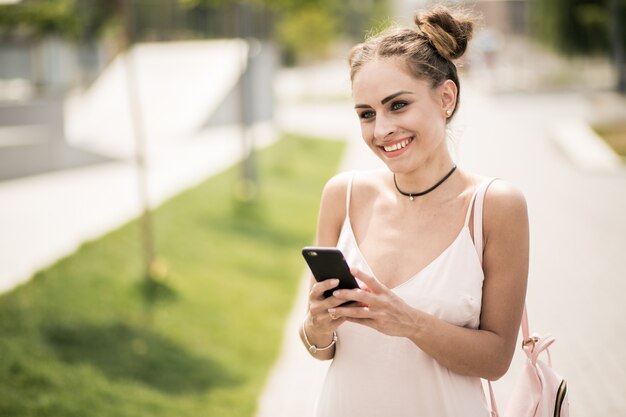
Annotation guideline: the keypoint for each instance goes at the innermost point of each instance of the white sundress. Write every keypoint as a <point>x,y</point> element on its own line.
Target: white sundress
<point>375,375</point>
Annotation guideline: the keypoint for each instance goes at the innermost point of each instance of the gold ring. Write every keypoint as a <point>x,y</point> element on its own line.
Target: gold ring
<point>332,315</point>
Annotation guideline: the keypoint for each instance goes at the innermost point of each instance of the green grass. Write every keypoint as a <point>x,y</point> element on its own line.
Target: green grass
<point>615,136</point>
<point>83,339</point>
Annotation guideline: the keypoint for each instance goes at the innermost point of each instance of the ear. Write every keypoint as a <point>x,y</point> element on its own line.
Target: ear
<point>448,92</point>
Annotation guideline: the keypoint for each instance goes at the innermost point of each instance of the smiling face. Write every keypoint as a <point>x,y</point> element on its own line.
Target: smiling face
<point>403,119</point>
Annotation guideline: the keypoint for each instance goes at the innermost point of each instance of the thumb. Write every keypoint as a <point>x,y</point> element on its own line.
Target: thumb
<point>369,280</point>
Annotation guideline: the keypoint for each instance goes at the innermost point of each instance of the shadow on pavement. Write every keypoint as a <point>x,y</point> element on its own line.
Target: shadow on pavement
<point>40,158</point>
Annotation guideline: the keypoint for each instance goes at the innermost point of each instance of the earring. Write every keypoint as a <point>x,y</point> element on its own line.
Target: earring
<point>448,112</point>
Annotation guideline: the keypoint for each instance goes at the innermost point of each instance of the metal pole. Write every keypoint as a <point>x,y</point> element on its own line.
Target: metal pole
<point>618,44</point>
<point>140,144</point>
<point>247,187</point>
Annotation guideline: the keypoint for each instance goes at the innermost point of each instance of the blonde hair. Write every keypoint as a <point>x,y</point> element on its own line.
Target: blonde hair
<point>440,37</point>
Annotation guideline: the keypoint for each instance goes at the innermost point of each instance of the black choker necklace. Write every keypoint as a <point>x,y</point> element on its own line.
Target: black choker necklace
<point>412,195</point>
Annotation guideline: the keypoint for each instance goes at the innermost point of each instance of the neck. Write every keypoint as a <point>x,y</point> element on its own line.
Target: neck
<point>424,177</point>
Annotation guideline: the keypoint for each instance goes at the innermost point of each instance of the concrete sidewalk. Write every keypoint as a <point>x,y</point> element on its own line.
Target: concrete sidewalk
<point>46,217</point>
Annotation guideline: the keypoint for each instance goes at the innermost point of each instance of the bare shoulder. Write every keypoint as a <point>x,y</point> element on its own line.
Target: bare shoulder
<point>336,187</point>
<point>505,208</point>
<point>365,182</point>
<point>504,199</point>
<point>365,186</point>
<point>332,209</point>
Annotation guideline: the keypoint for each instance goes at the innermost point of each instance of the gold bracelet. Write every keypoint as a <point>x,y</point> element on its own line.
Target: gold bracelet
<point>313,348</point>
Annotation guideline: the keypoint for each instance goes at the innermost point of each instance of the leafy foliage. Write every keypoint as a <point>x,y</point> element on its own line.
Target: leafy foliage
<point>68,18</point>
<point>302,27</point>
<point>576,26</point>
<point>307,32</point>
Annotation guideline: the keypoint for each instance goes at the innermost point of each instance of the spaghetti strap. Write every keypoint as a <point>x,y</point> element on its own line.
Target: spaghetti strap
<point>478,217</point>
<point>469,208</point>
<point>348,194</point>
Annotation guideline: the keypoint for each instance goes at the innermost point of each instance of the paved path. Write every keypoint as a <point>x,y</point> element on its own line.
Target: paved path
<point>578,241</point>
<point>578,238</point>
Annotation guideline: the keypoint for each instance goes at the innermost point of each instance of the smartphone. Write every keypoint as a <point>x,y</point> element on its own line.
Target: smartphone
<point>329,262</point>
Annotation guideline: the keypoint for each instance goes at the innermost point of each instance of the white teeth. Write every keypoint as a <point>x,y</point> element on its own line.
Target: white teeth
<point>397,146</point>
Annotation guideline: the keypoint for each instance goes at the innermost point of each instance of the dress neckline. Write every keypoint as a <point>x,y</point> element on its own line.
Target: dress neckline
<point>464,232</point>
<point>476,202</point>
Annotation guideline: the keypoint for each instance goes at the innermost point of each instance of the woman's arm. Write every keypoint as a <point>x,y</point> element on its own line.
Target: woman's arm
<point>485,352</point>
<point>318,325</point>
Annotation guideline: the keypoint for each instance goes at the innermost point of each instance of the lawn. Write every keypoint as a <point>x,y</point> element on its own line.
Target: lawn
<point>83,337</point>
<point>615,136</point>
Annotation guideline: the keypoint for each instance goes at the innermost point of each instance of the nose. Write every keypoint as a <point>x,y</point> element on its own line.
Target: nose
<point>384,127</point>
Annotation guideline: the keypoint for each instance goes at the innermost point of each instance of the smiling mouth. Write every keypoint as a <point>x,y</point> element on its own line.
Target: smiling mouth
<point>397,146</point>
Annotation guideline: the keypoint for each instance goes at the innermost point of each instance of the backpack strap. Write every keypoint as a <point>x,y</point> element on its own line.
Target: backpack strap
<point>492,401</point>
<point>478,216</point>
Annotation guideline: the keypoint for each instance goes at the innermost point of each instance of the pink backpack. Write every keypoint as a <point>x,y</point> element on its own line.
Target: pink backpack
<point>540,391</point>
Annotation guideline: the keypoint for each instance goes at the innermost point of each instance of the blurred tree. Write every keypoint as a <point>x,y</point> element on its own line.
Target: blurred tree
<point>307,32</point>
<point>574,26</point>
<point>303,28</point>
<point>307,28</point>
<point>73,19</point>
<point>584,27</point>
<point>618,10</point>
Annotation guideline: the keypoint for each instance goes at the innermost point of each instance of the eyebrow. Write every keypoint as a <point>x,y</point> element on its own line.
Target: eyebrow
<point>385,100</point>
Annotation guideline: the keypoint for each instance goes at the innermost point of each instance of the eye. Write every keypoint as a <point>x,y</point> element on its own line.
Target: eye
<point>367,114</point>
<point>397,105</point>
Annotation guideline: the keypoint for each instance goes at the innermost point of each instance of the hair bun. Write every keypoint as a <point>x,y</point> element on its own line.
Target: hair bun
<point>448,32</point>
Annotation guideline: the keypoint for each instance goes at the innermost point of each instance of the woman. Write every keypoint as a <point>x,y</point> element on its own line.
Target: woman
<point>441,254</point>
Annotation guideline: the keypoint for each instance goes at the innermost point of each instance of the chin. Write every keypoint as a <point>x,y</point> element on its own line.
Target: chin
<point>397,168</point>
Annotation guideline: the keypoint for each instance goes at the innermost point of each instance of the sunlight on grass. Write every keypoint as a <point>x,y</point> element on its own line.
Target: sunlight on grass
<point>80,339</point>
<point>615,136</point>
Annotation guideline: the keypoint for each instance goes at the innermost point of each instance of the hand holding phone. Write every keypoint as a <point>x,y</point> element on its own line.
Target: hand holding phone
<point>329,262</point>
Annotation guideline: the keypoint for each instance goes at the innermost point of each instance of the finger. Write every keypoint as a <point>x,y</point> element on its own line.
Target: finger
<point>332,313</point>
<point>322,306</point>
<point>356,271</point>
<point>318,289</point>
<point>365,322</point>
<point>350,312</point>
<point>325,322</point>
<point>360,296</point>
<point>372,283</point>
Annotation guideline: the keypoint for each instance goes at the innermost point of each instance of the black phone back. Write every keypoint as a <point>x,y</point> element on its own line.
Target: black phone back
<point>329,262</point>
